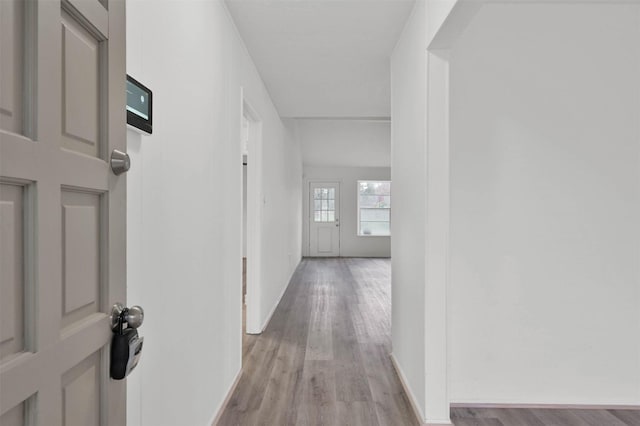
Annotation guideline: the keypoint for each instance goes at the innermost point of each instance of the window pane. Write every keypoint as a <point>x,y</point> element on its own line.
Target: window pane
<point>331,216</point>
<point>332,194</point>
<point>332,205</point>
<point>317,205</point>
<point>374,188</point>
<point>374,203</point>
<point>374,228</point>
<point>325,205</point>
<point>317,217</point>
<point>379,201</point>
<point>374,215</point>
<point>317,193</point>
<point>324,216</point>
<point>383,188</point>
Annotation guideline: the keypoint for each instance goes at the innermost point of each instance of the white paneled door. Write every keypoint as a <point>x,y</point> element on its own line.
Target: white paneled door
<point>62,210</point>
<point>324,219</point>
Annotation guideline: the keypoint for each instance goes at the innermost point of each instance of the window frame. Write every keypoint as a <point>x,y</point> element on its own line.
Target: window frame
<point>358,208</point>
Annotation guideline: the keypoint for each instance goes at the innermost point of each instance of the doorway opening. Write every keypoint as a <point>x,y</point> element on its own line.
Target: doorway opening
<point>251,140</point>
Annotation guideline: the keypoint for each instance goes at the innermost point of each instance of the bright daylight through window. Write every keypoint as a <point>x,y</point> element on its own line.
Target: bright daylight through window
<point>324,205</point>
<point>374,208</point>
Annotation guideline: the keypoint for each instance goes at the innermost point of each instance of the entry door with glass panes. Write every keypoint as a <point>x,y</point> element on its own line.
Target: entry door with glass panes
<point>324,220</point>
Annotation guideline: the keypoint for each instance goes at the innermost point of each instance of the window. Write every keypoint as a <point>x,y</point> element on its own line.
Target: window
<point>324,205</point>
<point>374,208</point>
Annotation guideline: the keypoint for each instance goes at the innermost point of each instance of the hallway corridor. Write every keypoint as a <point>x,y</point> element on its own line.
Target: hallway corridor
<point>324,357</point>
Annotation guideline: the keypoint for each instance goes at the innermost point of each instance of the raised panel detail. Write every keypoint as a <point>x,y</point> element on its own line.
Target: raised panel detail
<point>11,65</point>
<point>12,284</point>
<point>81,254</point>
<point>325,240</point>
<point>81,393</point>
<point>15,417</point>
<point>80,88</point>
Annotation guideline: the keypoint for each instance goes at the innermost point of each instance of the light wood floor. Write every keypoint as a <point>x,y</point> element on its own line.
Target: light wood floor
<point>324,360</point>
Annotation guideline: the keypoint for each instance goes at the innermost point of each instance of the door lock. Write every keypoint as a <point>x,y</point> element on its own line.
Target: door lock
<point>120,162</point>
<point>126,345</point>
<point>133,316</point>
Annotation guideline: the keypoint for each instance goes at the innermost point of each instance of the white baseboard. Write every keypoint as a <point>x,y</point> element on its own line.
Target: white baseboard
<point>544,406</point>
<point>216,418</point>
<point>273,310</point>
<point>414,406</point>
<point>405,385</point>
<point>275,305</point>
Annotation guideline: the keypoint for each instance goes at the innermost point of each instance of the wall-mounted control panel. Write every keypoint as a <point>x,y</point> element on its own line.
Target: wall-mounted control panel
<point>139,105</point>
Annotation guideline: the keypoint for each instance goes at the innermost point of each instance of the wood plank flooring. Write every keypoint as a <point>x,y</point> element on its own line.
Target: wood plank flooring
<point>324,360</point>
<point>324,357</point>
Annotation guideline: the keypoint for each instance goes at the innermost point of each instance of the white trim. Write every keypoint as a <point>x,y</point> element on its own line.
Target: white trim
<point>407,389</point>
<point>544,406</point>
<point>254,216</point>
<point>436,261</point>
<point>275,306</point>
<point>216,417</point>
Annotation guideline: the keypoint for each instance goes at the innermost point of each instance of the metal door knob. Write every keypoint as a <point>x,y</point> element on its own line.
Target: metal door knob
<point>133,316</point>
<point>120,162</point>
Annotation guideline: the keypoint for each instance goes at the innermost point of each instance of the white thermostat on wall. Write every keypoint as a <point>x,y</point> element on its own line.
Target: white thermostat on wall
<point>139,105</point>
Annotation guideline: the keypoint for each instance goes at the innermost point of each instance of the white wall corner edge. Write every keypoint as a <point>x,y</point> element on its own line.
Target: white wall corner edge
<point>218,413</point>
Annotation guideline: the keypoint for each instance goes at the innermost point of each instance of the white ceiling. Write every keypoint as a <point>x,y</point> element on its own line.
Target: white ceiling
<point>323,58</point>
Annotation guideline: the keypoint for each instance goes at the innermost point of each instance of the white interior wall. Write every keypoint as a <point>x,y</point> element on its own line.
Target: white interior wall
<point>545,157</point>
<point>351,245</point>
<point>184,217</point>
<point>408,174</point>
<point>281,203</point>
<point>439,10</point>
<point>344,143</point>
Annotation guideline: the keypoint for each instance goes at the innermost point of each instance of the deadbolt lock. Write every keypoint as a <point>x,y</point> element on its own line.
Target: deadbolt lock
<point>120,162</point>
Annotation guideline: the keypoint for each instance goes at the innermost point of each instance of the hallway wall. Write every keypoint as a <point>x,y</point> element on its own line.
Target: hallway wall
<point>545,201</point>
<point>184,216</point>
<point>408,174</point>
<point>351,244</point>
<point>344,142</point>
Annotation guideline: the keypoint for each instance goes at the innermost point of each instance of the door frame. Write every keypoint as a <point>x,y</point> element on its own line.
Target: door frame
<point>254,215</point>
<point>307,210</point>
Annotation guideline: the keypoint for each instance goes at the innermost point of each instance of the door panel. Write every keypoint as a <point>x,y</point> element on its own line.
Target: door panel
<point>324,219</point>
<point>81,242</point>
<point>62,210</point>
<point>325,240</point>
<point>80,97</point>
<point>81,393</point>
<point>11,266</point>
<point>11,64</point>
<point>15,416</point>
